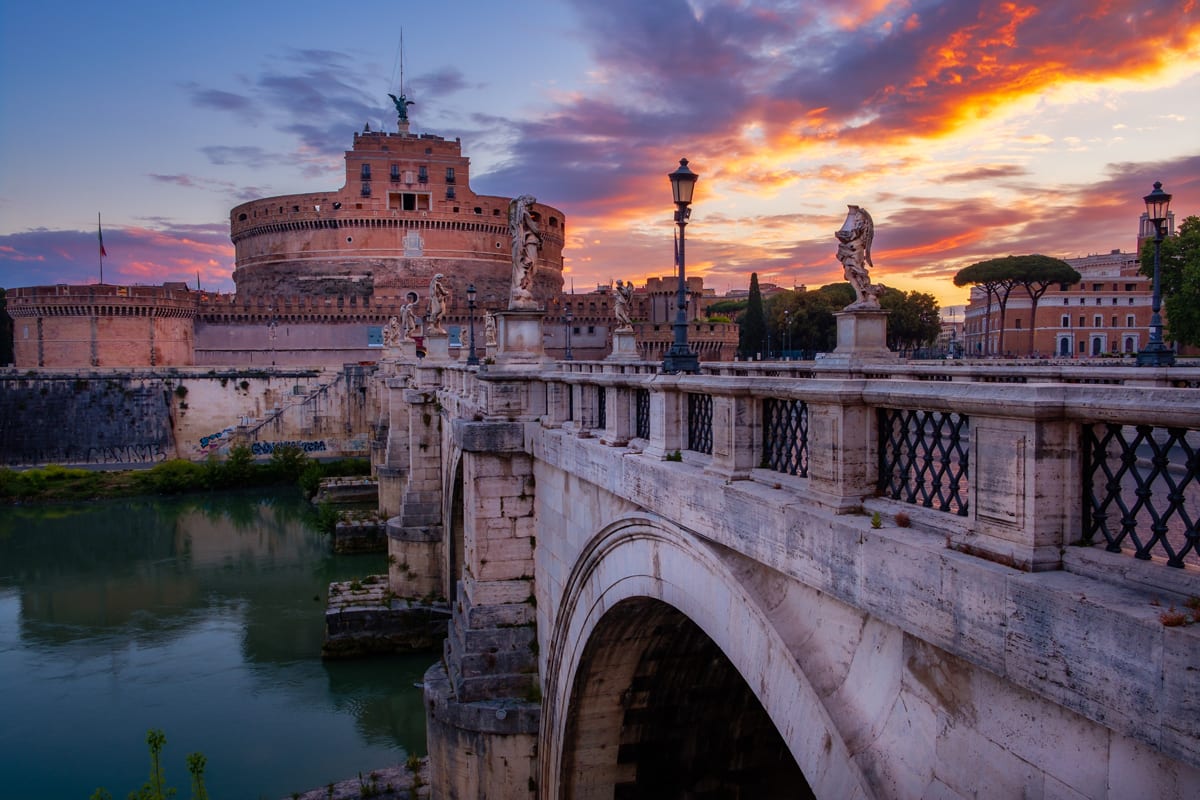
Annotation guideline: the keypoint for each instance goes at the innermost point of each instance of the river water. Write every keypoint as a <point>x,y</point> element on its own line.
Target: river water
<point>201,617</point>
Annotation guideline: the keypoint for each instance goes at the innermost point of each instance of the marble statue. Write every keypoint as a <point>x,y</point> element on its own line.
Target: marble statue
<point>623,298</point>
<point>392,333</point>
<point>489,329</point>
<point>408,316</point>
<point>439,297</point>
<point>526,239</point>
<point>854,251</point>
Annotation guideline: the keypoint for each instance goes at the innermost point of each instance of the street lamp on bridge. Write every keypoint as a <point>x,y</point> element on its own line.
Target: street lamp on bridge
<point>679,358</point>
<point>472,359</point>
<point>1156,353</point>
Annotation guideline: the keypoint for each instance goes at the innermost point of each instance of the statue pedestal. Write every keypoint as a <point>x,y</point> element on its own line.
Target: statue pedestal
<point>862,336</point>
<point>408,350</point>
<point>437,347</point>
<point>519,337</point>
<point>624,347</point>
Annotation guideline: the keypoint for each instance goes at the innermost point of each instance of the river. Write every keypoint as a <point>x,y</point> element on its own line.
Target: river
<point>201,616</point>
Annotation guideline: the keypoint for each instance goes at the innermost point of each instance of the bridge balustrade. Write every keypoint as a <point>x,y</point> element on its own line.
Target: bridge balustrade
<point>1013,472</point>
<point>1141,488</point>
<point>924,458</point>
<point>785,436</point>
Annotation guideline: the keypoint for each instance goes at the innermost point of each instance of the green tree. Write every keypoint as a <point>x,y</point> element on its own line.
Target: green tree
<point>1179,279</point>
<point>753,331</point>
<point>809,318</point>
<point>1036,274</point>
<point>999,276</point>
<point>913,320</point>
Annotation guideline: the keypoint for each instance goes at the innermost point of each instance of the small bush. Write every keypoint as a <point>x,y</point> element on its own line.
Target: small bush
<point>876,520</point>
<point>903,520</point>
<point>172,477</point>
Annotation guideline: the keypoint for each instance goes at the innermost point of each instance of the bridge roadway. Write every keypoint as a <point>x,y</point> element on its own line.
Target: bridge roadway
<point>809,581</point>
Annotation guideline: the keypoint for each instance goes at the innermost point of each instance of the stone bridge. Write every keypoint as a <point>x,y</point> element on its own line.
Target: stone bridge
<point>827,580</point>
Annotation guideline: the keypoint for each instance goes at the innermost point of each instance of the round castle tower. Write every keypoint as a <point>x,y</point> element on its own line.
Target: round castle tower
<point>405,213</point>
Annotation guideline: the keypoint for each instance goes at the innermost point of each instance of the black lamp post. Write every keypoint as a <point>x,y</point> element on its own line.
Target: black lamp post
<point>787,334</point>
<point>679,358</point>
<point>1155,353</point>
<point>568,318</point>
<point>472,359</point>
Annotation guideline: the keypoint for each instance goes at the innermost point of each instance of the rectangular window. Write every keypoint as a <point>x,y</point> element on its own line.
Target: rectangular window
<point>1082,322</point>
<point>1018,323</point>
<point>1098,321</point>
<point>366,190</point>
<point>366,172</point>
<point>1114,320</point>
<point>1129,323</point>
<point>1066,321</point>
<point>450,194</point>
<point>1129,287</point>
<point>449,174</point>
<point>395,172</point>
<point>423,174</point>
<point>1096,287</point>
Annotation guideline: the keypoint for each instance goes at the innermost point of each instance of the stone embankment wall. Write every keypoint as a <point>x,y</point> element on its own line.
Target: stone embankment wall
<point>143,417</point>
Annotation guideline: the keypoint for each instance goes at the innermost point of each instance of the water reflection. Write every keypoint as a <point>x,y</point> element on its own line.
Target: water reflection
<point>202,617</point>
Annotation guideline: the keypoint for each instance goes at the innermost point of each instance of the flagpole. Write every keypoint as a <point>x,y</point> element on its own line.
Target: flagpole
<point>100,236</point>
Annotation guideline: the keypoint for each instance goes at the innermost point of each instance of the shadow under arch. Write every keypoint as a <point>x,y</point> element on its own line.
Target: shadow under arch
<point>662,669</point>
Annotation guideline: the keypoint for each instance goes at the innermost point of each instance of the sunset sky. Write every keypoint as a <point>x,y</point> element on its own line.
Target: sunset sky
<point>968,129</point>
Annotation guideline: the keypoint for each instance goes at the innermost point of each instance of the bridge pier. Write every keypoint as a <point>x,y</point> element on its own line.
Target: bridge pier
<point>484,699</point>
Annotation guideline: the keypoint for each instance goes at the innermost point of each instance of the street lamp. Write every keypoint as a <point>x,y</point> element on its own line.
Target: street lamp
<point>787,334</point>
<point>472,359</point>
<point>1156,354</point>
<point>568,318</point>
<point>679,358</point>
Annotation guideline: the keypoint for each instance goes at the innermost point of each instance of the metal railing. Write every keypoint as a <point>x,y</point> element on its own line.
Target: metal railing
<point>699,431</point>
<point>785,436</point>
<point>642,414</point>
<point>1141,490</point>
<point>923,458</point>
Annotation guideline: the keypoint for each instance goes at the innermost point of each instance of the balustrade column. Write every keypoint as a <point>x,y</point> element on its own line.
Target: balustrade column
<point>668,419</point>
<point>842,463</point>
<point>736,436</point>
<point>558,404</point>
<point>619,417</point>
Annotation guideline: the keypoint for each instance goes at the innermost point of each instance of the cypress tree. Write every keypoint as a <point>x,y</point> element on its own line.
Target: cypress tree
<point>753,333</point>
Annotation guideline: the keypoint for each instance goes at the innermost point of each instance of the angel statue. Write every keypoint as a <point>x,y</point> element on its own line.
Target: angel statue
<point>623,297</point>
<point>402,103</point>
<point>391,333</point>
<point>439,297</point>
<point>408,316</point>
<point>526,239</point>
<point>489,329</point>
<point>854,251</point>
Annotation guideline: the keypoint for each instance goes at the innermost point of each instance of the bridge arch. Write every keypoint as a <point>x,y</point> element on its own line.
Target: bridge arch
<point>454,531</point>
<point>642,591</point>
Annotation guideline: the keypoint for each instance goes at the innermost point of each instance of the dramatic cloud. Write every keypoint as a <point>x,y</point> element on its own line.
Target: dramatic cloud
<point>135,255</point>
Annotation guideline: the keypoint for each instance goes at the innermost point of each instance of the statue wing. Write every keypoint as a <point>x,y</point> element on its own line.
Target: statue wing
<point>868,236</point>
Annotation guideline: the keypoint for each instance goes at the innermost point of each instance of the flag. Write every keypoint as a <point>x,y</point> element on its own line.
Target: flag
<point>100,234</point>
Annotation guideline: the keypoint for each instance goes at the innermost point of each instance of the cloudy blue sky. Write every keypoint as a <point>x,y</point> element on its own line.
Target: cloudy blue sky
<point>969,129</point>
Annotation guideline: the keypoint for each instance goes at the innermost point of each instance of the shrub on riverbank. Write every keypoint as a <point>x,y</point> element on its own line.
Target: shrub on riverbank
<point>239,470</point>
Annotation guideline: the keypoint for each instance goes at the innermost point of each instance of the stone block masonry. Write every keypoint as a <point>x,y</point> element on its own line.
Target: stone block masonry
<point>141,417</point>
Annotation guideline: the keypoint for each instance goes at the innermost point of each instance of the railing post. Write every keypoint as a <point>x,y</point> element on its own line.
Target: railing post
<point>668,418</point>
<point>558,404</point>
<point>737,436</point>
<point>841,453</point>
<point>1025,486</point>
<point>619,416</point>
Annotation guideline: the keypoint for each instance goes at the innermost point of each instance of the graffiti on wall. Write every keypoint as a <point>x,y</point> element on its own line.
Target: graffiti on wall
<point>146,453</point>
<point>266,448</point>
<point>215,441</point>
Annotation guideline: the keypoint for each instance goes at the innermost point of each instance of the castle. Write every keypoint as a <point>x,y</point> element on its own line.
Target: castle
<point>317,275</point>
